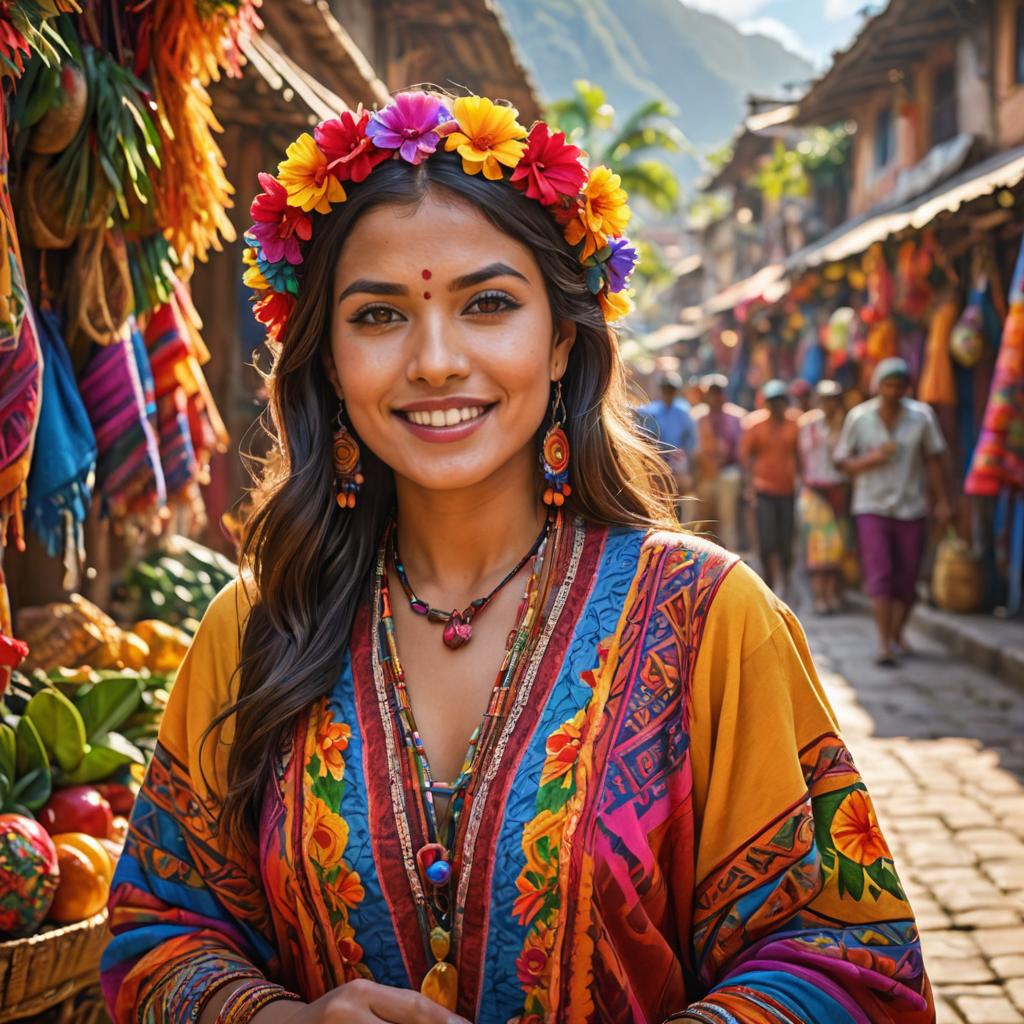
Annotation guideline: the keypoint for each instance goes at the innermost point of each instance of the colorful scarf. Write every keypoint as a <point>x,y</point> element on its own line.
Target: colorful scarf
<point>128,471</point>
<point>998,460</point>
<point>60,483</point>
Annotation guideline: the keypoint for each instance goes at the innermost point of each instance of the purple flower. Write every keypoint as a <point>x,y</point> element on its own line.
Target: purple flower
<point>409,124</point>
<point>620,263</point>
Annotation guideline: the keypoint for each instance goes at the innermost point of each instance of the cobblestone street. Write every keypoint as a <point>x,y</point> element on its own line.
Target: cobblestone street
<point>941,746</point>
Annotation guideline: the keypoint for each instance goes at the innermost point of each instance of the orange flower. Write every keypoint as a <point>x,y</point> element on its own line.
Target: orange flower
<point>602,215</point>
<point>855,830</point>
<point>531,897</point>
<point>487,136</point>
<point>349,887</point>
<point>563,749</point>
<point>331,741</point>
<point>328,836</point>
<point>345,940</point>
<point>547,824</point>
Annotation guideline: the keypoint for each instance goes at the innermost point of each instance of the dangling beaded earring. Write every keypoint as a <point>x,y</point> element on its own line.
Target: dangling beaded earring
<point>348,470</point>
<point>554,454</point>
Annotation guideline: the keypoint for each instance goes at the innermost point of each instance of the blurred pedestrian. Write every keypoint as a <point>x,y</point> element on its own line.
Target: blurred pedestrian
<point>801,394</point>
<point>768,452</point>
<point>719,479</point>
<point>893,448</point>
<point>823,497</point>
<point>669,422</point>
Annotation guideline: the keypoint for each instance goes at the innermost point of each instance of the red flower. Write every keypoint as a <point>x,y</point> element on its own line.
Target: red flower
<point>350,154</point>
<point>550,169</point>
<point>12,43</point>
<point>279,227</point>
<point>273,310</point>
<point>530,965</point>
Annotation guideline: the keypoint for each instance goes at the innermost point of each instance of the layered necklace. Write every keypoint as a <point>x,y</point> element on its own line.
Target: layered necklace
<point>458,626</point>
<point>437,861</point>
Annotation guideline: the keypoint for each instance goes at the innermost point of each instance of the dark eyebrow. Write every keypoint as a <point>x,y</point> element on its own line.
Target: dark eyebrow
<point>485,274</point>
<point>373,288</point>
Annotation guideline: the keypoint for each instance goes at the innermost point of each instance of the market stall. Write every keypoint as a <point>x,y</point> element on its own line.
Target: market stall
<point>112,187</point>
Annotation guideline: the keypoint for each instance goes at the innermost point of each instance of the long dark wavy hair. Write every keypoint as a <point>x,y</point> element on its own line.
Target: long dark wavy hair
<point>310,563</point>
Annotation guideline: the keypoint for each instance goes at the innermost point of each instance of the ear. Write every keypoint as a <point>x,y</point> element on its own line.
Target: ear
<point>332,373</point>
<point>565,338</point>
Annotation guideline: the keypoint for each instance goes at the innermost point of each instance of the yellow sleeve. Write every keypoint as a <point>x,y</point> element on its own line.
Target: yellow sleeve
<point>799,915</point>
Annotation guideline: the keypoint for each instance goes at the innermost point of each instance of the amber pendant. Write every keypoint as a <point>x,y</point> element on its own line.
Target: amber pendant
<point>441,985</point>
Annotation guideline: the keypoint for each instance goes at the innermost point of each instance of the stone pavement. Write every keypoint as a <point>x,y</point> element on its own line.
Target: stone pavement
<point>940,744</point>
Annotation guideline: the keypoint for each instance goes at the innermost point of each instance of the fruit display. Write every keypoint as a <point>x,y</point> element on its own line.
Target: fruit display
<point>28,874</point>
<point>175,584</point>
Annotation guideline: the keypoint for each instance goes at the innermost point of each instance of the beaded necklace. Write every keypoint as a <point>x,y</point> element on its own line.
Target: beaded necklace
<point>437,861</point>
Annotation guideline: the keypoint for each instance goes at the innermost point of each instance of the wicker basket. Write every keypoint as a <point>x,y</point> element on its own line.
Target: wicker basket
<point>47,968</point>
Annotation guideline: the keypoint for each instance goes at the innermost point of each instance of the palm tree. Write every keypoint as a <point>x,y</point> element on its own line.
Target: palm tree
<point>588,120</point>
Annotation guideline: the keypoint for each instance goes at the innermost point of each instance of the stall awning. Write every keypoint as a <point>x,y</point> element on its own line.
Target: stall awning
<point>768,284</point>
<point>1004,170</point>
<point>670,334</point>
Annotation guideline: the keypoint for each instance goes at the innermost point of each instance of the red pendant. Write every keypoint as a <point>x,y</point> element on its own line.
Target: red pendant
<point>457,631</point>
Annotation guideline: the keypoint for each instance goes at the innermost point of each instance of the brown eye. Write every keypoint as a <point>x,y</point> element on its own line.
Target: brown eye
<point>491,303</point>
<point>375,316</point>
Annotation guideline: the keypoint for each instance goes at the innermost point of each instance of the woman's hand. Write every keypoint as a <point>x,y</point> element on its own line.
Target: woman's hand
<point>366,1002</point>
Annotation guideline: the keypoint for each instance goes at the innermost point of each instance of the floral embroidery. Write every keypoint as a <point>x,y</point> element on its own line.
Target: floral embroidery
<point>327,833</point>
<point>537,904</point>
<point>332,740</point>
<point>853,851</point>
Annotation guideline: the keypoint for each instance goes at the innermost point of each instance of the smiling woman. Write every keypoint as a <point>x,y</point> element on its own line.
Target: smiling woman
<point>605,786</point>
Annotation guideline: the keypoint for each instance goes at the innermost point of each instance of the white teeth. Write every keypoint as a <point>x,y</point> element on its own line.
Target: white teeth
<point>444,417</point>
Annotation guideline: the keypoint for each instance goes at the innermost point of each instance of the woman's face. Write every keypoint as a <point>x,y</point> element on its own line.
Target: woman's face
<point>443,343</point>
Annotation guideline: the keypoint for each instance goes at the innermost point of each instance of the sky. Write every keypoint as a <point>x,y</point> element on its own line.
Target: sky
<point>813,28</point>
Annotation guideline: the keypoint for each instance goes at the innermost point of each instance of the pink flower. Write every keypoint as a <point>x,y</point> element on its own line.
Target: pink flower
<point>550,169</point>
<point>278,227</point>
<point>350,154</point>
<point>409,124</point>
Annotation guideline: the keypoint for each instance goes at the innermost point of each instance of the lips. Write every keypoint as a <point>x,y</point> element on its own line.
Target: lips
<point>444,420</point>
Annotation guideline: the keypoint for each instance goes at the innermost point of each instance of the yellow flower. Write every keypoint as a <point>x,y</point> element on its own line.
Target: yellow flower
<point>603,213</point>
<point>253,277</point>
<point>615,305</point>
<point>328,836</point>
<point>332,740</point>
<point>563,750</point>
<point>306,179</point>
<point>488,137</point>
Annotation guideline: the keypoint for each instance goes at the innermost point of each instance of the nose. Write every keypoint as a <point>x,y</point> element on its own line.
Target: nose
<point>436,355</point>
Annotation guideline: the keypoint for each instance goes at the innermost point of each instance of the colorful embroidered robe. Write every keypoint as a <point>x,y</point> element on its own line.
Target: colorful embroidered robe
<point>671,817</point>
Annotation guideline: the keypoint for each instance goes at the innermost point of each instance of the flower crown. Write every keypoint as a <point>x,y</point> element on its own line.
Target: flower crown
<point>589,205</point>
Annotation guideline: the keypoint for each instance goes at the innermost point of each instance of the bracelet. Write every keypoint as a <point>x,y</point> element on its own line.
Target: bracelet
<point>249,998</point>
<point>706,1013</point>
<point>210,990</point>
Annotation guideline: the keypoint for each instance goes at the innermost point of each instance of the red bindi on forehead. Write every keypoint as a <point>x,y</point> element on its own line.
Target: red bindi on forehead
<point>426,274</point>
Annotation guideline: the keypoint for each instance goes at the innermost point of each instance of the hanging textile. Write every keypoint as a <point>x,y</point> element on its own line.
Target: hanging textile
<point>998,460</point>
<point>60,483</point>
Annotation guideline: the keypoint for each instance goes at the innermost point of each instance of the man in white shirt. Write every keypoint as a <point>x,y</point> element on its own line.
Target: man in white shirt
<point>892,447</point>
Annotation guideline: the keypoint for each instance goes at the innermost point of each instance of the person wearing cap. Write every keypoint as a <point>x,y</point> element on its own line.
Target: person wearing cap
<point>669,422</point>
<point>892,447</point>
<point>719,480</point>
<point>821,507</point>
<point>770,459</point>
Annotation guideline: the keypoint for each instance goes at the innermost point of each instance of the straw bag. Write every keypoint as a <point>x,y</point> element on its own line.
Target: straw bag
<point>958,584</point>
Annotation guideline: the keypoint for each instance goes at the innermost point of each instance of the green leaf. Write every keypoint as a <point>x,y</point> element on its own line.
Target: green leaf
<point>33,790</point>
<point>5,790</point>
<point>60,728</point>
<point>8,751</point>
<point>30,752</point>
<point>851,877</point>
<point>109,704</point>
<point>102,759</point>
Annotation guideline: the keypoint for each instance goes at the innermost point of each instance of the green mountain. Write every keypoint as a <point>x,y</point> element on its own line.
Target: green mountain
<point>641,49</point>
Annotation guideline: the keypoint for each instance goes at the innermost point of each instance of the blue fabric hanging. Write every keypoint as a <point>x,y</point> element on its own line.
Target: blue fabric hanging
<point>64,459</point>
